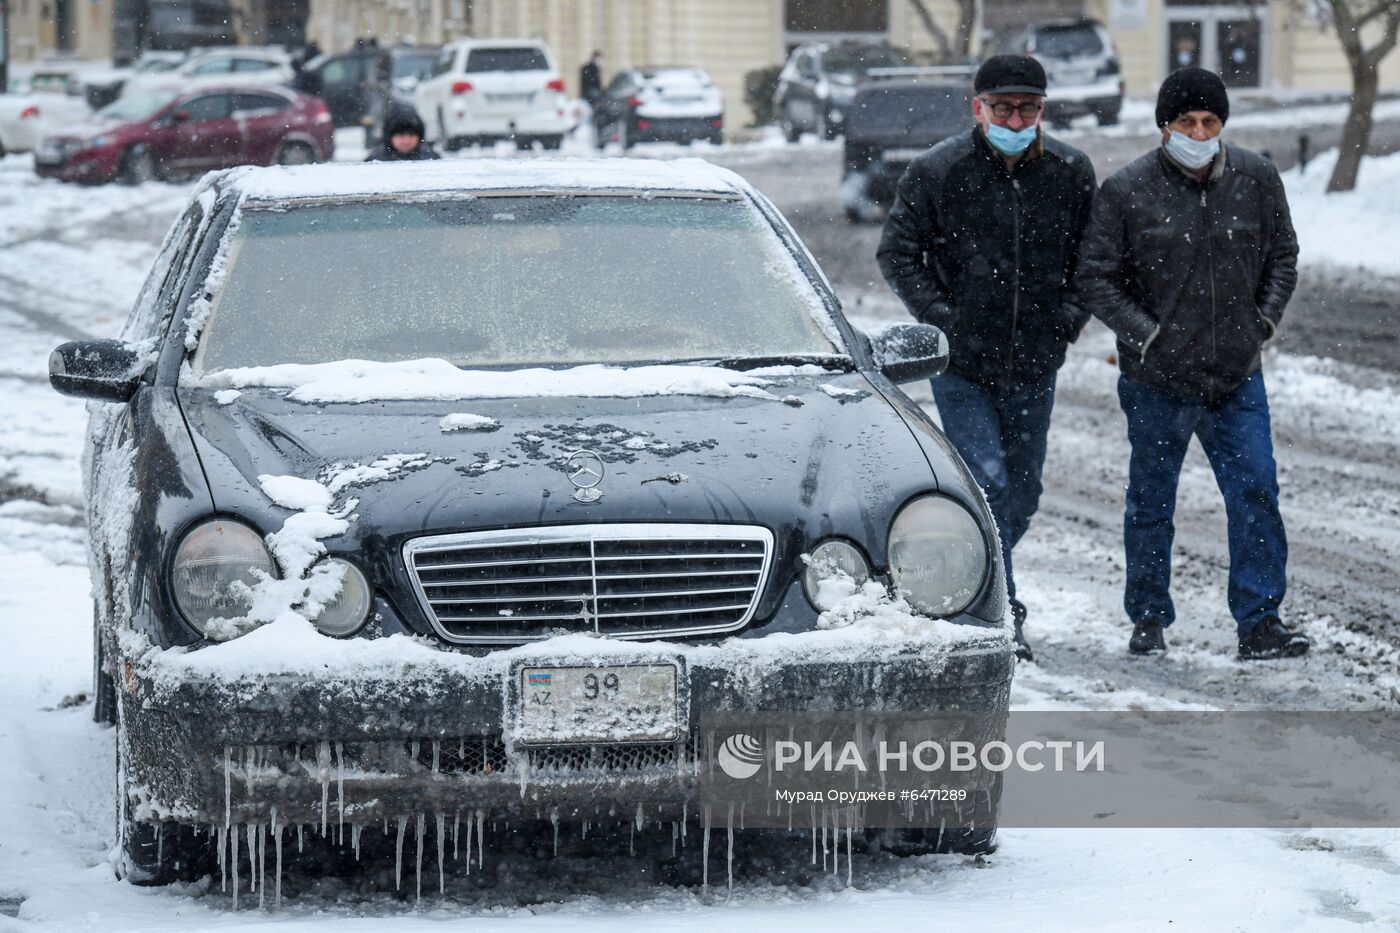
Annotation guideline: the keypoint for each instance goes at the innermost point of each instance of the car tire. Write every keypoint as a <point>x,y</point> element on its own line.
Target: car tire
<point>1107,116</point>
<point>553,142</point>
<point>524,144</point>
<point>790,131</point>
<point>624,134</point>
<point>139,165</point>
<point>716,139</point>
<point>157,854</point>
<point>295,153</point>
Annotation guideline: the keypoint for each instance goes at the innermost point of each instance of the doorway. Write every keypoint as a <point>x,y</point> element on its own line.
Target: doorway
<point>1225,38</point>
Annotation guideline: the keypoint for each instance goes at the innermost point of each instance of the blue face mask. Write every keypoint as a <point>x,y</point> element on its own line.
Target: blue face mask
<point>1192,154</point>
<point>1008,141</point>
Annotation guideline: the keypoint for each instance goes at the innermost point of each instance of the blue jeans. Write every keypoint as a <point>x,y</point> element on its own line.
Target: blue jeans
<point>1001,437</point>
<point>1234,433</point>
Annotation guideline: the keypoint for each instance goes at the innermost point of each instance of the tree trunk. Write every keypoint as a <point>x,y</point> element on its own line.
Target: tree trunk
<point>940,37</point>
<point>1356,132</point>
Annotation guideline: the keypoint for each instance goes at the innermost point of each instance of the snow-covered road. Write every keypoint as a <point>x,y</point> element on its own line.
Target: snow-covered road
<point>71,260</point>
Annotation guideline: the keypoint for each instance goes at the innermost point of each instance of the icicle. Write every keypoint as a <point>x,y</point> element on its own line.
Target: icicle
<point>355,829</point>
<point>631,840</point>
<point>685,819</point>
<point>823,839</point>
<point>233,833</point>
<point>250,763</point>
<point>160,843</point>
<point>413,749</point>
<point>437,755</point>
<point>323,768</point>
<point>398,855</point>
<point>705,851</point>
<point>277,845</point>
<point>250,829</point>
<point>835,841</point>
<point>469,845</point>
<point>418,863</point>
<point>814,833</point>
<point>675,832</point>
<point>441,844</point>
<point>729,858</point>
<point>340,786</point>
<point>848,853</point>
<point>262,868</point>
<point>228,785</point>
<point>554,820</point>
<point>480,839</point>
<point>640,819</point>
<point>456,822</point>
<point>223,858</point>
<point>301,837</point>
<point>742,805</point>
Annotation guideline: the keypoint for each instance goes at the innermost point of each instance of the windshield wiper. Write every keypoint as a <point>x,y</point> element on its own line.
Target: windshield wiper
<point>824,360</point>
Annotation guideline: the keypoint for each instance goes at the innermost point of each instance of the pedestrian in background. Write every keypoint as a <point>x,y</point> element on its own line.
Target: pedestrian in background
<point>590,78</point>
<point>982,241</point>
<point>403,139</point>
<point>1190,259</point>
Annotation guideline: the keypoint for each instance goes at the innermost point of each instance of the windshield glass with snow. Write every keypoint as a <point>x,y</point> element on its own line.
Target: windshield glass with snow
<point>510,282</point>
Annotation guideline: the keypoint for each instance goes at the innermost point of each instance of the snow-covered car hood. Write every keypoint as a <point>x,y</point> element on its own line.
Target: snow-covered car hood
<point>832,448</point>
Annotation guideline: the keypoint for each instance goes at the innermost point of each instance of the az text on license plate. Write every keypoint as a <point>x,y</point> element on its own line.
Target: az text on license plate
<point>590,705</point>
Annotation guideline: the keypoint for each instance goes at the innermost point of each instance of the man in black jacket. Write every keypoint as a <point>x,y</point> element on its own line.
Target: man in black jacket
<point>403,139</point>
<point>982,241</point>
<point>1190,259</point>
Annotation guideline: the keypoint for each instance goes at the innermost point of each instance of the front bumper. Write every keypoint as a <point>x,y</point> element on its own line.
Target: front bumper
<point>85,165</point>
<point>355,744</point>
<point>675,129</point>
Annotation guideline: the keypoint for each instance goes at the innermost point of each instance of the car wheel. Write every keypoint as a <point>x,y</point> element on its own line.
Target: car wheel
<point>553,142</point>
<point>790,131</point>
<point>139,165</point>
<point>524,144</point>
<point>1107,117</point>
<point>1061,123</point>
<point>294,153</point>
<point>624,134</point>
<point>157,854</point>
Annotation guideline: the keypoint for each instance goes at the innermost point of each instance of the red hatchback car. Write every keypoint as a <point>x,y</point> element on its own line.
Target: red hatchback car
<point>169,132</point>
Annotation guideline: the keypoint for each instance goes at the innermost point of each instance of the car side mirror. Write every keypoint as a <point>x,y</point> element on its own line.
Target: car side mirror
<point>910,352</point>
<point>101,370</point>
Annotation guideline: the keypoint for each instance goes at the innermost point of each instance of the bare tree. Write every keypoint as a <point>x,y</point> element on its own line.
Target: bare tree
<point>952,49</point>
<point>1355,21</point>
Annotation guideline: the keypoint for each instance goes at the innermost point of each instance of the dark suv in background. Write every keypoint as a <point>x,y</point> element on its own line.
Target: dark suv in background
<point>1081,67</point>
<point>889,124</point>
<point>818,84</point>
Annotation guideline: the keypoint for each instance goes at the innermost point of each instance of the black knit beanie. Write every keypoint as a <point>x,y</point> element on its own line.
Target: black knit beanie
<point>1010,74</point>
<point>1192,89</point>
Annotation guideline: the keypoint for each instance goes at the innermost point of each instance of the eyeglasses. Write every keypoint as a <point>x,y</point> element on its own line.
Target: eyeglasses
<point>1001,110</point>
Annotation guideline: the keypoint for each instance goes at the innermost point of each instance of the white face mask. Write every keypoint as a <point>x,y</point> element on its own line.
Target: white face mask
<point>1191,153</point>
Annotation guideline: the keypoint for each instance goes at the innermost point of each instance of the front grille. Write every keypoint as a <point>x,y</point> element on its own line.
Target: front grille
<point>631,581</point>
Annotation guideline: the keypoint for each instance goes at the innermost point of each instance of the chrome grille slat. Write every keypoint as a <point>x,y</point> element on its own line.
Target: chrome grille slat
<point>629,581</point>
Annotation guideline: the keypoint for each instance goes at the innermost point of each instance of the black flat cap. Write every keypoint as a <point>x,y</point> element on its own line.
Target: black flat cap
<point>1010,74</point>
<point>1192,89</point>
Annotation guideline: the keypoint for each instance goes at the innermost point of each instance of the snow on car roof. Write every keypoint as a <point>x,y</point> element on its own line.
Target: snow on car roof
<point>349,180</point>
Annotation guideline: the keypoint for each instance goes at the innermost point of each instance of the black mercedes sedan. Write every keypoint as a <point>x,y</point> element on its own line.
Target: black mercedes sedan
<point>429,495</point>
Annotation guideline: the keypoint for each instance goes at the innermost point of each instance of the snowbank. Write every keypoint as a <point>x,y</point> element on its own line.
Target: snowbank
<point>1351,229</point>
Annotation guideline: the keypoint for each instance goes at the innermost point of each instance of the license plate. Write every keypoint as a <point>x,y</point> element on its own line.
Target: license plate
<point>509,98</point>
<point>48,156</point>
<point>598,705</point>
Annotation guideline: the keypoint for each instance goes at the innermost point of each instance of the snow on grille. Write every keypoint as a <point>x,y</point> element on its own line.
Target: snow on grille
<point>637,581</point>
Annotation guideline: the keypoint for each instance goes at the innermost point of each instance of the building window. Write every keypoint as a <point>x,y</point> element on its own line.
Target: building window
<point>836,16</point>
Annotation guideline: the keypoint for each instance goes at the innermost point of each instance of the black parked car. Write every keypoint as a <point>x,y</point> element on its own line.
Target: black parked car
<point>592,431</point>
<point>359,86</point>
<point>890,123</point>
<point>818,83</point>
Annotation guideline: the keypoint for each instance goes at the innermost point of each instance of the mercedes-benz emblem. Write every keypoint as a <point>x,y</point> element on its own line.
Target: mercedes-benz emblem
<point>585,470</point>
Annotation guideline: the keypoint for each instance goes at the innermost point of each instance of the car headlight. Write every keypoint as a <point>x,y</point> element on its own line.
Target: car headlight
<point>822,579</point>
<point>344,614</point>
<point>938,556</point>
<point>216,566</point>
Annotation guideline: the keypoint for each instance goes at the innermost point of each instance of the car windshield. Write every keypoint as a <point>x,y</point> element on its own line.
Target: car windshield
<point>524,59</point>
<point>139,104</point>
<point>862,59</point>
<point>413,66</point>
<point>511,282</point>
<point>1068,42</point>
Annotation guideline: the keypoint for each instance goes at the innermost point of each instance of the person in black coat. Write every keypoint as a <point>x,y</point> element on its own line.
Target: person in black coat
<point>590,79</point>
<point>1190,259</point>
<point>403,139</point>
<point>982,241</point>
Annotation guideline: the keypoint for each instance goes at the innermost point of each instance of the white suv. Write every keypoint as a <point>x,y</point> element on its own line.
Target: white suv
<point>484,90</point>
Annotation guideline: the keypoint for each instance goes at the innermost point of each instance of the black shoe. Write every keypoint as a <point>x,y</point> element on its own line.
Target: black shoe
<point>1148,638</point>
<point>1272,639</point>
<point>1023,648</point>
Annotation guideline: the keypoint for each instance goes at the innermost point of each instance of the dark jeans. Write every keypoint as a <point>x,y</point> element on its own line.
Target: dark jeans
<point>1234,434</point>
<point>1001,436</point>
